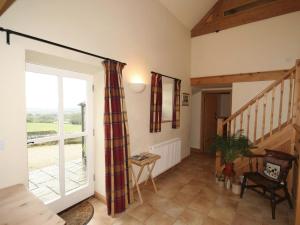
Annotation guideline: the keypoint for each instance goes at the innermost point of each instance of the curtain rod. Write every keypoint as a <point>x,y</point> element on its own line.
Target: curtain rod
<point>9,32</point>
<point>166,76</point>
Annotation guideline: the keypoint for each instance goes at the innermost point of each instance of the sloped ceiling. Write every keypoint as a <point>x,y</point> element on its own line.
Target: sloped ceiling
<point>188,12</point>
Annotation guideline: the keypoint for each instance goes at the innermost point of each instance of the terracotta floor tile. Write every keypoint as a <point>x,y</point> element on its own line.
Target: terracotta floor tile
<point>246,209</point>
<point>168,192</point>
<point>127,220</point>
<point>226,215</point>
<point>201,205</point>
<point>191,217</point>
<point>183,199</point>
<point>159,203</point>
<point>210,221</point>
<point>159,218</point>
<point>179,222</point>
<point>142,212</point>
<point>174,209</point>
<point>227,202</point>
<point>190,189</point>
<point>244,220</point>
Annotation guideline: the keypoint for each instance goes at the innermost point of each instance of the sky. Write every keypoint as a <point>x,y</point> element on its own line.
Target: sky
<point>42,92</point>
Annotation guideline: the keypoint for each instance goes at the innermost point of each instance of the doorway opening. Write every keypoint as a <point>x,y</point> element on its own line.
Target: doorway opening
<point>214,104</point>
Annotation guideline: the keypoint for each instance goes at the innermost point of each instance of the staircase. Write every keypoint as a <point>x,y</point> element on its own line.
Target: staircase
<point>269,120</point>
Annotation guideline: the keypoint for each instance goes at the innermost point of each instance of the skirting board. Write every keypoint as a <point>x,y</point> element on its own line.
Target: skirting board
<point>196,150</point>
<point>100,197</point>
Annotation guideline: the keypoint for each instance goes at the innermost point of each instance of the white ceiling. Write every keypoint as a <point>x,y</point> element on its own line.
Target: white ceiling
<point>189,12</point>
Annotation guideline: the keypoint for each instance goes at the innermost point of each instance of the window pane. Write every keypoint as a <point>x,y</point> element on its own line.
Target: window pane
<point>43,162</point>
<point>74,104</point>
<point>75,163</point>
<point>167,99</point>
<point>42,105</point>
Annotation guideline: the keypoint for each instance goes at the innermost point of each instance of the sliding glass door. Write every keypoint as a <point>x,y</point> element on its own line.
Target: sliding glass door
<point>59,135</point>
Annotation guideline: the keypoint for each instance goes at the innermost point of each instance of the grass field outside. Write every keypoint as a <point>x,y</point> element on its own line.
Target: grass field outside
<point>36,127</point>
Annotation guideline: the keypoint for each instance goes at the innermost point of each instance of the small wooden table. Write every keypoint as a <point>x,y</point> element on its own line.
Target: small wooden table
<point>149,162</point>
<point>19,207</point>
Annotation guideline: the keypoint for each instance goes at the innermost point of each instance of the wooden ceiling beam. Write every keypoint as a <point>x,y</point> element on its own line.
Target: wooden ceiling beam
<point>241,77</point>
<point>228,14</point>
<point>4,5</point>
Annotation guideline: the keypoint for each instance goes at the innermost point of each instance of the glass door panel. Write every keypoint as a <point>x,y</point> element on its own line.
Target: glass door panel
<point>42,105</point>
<point>43,163</point>
<point>75,163</point>
<point>74,91</point>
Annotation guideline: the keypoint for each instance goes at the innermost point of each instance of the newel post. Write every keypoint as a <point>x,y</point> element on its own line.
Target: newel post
<point>220,132</point>
<point>296,103</point>
<point>296,122</point>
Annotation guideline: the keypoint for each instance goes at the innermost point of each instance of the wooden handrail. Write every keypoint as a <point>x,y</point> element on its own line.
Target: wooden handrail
<point>260,95</point>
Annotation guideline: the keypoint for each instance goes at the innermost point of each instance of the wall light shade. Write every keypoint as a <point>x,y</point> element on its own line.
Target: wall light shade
<point>137,87</point>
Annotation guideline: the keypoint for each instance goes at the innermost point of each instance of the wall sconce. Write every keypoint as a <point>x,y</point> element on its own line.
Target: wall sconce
<point>137,87</point>
<point>137,84</point>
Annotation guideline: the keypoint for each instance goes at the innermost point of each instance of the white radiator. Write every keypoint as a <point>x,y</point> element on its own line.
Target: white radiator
<point>170,152</point>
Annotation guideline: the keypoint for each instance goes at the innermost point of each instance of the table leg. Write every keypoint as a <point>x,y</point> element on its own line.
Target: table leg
<point>150,175</point>
<point>140,173</point>
<point>137,184</point>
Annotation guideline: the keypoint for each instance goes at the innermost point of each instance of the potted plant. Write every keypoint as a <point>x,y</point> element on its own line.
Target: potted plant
<point>231,147</point>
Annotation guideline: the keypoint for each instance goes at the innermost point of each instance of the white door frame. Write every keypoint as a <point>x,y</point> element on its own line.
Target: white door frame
<point>68,199</point>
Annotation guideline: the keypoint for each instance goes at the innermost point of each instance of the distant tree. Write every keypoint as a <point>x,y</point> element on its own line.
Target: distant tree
<point>75,118</point>
<point>41,118</point>
<point>47,118</point>
<point>30,118</point>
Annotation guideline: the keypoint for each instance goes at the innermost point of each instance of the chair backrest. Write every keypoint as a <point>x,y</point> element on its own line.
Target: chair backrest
<point>276,165</point>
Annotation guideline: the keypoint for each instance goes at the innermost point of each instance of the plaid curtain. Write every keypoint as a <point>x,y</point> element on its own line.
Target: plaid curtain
<point>118,180</point>
<point>176,105</point>
<point>156,103</point>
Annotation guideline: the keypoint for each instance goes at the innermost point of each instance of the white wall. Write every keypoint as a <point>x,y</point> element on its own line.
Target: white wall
<point>261,46</point>
<point>139,32</point>
<point>224,105</point>
<point>196,118</point>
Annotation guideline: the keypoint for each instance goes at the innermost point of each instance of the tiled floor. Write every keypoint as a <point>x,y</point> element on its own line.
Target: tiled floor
<point>188,195</point>
<point>44,183</point>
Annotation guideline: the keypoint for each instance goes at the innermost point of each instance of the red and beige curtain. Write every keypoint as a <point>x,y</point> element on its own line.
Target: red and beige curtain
<point>176,104</point>
<point>156,103</point>
<point>118,180</point>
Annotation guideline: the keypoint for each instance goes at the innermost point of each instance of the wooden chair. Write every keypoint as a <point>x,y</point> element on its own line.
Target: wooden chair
<point>272,177</point>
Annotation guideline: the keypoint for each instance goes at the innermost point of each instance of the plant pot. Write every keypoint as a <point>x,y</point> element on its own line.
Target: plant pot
<point>221,183</point>
<point>228,170</point>
<point>228,183</point>
<point>236,188</point>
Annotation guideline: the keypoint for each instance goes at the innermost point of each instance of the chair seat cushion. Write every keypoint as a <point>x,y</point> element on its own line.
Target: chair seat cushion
<point>261,180</point>
<point>275,169</point>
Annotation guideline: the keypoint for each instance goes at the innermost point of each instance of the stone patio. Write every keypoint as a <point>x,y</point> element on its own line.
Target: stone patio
<point>44,182</point>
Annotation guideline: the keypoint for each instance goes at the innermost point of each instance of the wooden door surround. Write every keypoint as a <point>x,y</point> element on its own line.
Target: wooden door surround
<point>208,126</point>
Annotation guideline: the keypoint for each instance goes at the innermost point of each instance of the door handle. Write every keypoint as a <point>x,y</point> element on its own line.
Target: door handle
<point>30,142</point>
